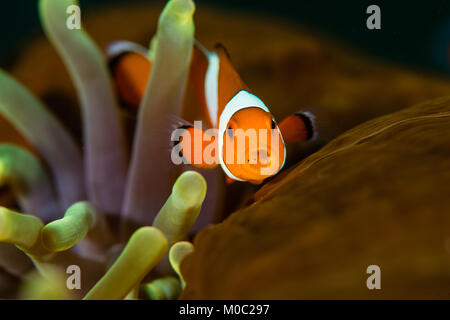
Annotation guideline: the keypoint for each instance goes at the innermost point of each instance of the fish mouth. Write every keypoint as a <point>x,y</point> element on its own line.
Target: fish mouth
<point>260,157</point>
<point>260,164</point>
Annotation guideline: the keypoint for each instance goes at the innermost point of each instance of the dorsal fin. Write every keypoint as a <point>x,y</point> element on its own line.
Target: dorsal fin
<point>195,105</point>
<point>230,83</point>
<point>220,47</point>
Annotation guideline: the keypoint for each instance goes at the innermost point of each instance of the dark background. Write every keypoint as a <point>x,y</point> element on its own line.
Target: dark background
<point>413,33</point>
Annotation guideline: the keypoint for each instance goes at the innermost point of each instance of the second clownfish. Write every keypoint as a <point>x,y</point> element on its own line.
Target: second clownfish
<point>216,95</point>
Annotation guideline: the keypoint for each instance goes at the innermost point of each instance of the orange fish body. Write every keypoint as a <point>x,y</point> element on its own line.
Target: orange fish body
<point>248,145</point>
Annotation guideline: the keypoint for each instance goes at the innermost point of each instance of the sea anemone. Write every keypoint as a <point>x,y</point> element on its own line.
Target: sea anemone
<point>98,186</point>
<point>116,211</point>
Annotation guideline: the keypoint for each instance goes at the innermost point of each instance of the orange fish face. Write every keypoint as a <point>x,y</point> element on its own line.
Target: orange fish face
<point>253,148</point>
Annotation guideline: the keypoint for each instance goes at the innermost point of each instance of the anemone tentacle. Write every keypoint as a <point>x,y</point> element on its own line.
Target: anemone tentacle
<point>22,230</point>
<point>165,288</point>
<point>51,287</point>
<point>27,177</point>
<point>47,135</point>
<point>135,261</point>
<point>105,155</point>
<point>51,247</point>
<point>177,253</point>
<point>151,177</point>
<point>63,234</point>
<point>181,209</point>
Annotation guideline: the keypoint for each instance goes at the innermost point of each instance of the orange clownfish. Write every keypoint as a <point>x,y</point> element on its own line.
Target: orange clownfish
<point>217,96</point>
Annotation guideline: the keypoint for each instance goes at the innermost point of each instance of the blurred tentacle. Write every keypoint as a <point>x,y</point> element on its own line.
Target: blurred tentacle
<point>29,180</point>
<point>166,288</point>
<point>91,270</point>
<point>14,260</point>
<point>9,285</point>
<point>150,176</point>
<point>105,155</point>
<point>50,287</point>
<point>49,137</point>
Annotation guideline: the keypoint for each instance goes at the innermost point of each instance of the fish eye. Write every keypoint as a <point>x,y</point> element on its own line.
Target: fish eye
<point>230,132</point>
<point>274,125</point>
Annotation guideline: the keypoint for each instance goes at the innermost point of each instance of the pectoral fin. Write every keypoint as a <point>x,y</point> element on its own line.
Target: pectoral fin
<point>297,127</point>
<point>229,180</point>
<point>198,148</point>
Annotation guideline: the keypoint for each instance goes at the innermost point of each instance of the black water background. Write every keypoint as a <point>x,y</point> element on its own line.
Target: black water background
<point>414,33</point>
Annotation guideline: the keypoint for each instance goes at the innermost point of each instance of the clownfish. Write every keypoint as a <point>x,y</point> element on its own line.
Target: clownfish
<point>217,96</point>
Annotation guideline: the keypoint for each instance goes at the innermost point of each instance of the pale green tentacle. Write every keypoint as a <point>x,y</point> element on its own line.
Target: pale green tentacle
<point>64,233</point>
<point>166,288</point>
<point>180,211</point>
<point>177,253</point>
<point>22,230</point>
<point>144,250</point>
<point>30,182</point>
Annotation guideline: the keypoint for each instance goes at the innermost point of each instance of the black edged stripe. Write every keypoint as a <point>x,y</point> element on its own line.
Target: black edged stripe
<point>308,120</point>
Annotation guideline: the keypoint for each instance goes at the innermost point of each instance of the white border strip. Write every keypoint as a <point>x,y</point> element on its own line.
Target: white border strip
<point>212,86</point>
<point>241,100</point>
<point>118,47</point>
